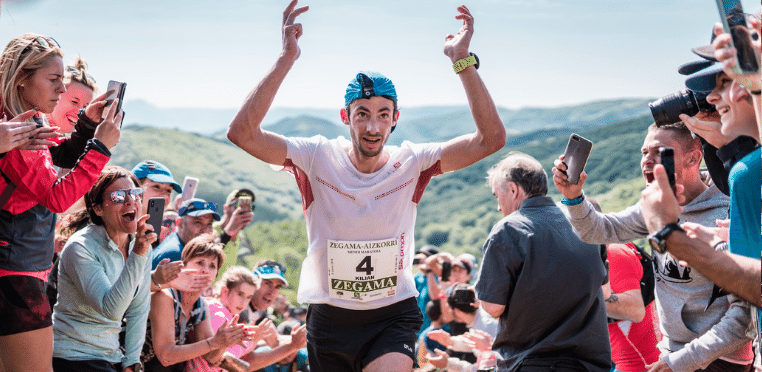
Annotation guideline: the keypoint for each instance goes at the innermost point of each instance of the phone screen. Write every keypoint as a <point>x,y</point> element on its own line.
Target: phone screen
<point>734,22</point>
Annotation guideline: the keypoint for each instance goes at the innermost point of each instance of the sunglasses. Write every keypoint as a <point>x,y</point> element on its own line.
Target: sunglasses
<point>120,196</point>
<point>45,42</point>
<point>76,72</point>
<point>197,206</point>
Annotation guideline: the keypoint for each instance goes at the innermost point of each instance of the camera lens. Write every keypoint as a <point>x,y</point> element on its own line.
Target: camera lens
<point>667,110</point>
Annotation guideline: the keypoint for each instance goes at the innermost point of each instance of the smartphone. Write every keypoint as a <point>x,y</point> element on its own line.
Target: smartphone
<point>734,22</point>
<point>464,296</point>
<point>156,214</point>
<point>117,91</point>
<point>667,155</point>
<point>189,187</point>
<point>575,156</point>
<point>244,202</point>
<point>446,268</point>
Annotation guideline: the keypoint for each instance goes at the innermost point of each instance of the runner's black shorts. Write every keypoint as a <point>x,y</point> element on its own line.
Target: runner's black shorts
<point>24,305</point>
<point>340,339</point>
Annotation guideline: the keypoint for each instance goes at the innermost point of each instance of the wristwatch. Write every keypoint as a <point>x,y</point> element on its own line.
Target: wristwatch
<point>463,63</point>
<point>658,240</point>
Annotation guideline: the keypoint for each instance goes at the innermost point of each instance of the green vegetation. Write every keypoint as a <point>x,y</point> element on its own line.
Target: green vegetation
<point>457,211</point>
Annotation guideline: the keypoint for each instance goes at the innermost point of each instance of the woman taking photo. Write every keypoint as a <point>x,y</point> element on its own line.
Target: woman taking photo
<point>31,82</point>
<point>104,275</point>
<point>179,324</point>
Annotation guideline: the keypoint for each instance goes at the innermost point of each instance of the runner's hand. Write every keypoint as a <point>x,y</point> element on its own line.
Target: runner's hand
<point>456,47</point>
<point>292,31</point>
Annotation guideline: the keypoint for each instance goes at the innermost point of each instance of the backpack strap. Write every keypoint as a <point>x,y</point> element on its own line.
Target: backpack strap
<point>9,189</point>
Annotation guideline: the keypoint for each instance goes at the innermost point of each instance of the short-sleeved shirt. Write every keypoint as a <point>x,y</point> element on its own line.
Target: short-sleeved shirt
<point>171,247</point>
<point>370,211</point>
<point>550,283</point>
<point>633,345</point>
<point>218,315</point>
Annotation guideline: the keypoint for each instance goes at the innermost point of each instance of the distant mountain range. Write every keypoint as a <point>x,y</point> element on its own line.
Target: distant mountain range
<point>417,124</point>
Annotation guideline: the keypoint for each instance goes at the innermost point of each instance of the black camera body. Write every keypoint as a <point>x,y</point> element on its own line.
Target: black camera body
<point>667,109</point>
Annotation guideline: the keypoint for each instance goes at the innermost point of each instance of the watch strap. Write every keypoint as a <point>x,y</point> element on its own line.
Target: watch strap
<point>464,63</point>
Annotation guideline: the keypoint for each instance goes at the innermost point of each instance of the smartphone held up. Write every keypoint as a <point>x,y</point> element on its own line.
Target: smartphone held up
<point>575,157</point>
<point>734,22</point>
<point>116,90</point>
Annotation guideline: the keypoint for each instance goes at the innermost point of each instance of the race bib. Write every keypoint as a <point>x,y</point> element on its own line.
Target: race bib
<point>362,270</point>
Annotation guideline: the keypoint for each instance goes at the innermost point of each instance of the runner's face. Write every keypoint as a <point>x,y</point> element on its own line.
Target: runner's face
<point>370,123</point>
<point>266,294</point>
<point>236,298</point>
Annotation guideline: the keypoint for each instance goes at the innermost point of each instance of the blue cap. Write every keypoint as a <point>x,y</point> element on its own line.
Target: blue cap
<point>704,80</point>
<point>198,207</point>
<point>156,172</point>
<point>271,270</point>
<point>369,84</point>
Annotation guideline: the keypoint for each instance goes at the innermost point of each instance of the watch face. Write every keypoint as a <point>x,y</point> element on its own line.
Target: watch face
<point>654,242</point>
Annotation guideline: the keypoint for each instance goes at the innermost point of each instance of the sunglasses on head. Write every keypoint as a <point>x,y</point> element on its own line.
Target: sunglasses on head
<point>271,266</point>
<point>197,206</point>
<point>76,72</point>
<point>120,196</point>
<point>45,42</point>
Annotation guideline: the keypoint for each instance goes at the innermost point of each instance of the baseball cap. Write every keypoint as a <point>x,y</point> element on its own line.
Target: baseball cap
<point>693,67</point>
<point>156,172</point>
<point>466,261</point>
<point>427,250</point>
<point>704,80</point>
<point>271,270</point>
<point>238,193</point>
<point>369,84</point>
<point>198,207</point>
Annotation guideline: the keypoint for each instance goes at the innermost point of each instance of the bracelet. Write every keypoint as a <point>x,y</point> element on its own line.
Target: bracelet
<point>208,344</point>
<point>572,202</point>
<point>155,282</point>
<point>721,246</point>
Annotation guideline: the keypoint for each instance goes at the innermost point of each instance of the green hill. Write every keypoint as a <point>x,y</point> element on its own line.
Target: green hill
<point>457,210</point>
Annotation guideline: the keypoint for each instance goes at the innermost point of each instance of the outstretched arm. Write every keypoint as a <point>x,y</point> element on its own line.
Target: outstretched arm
<point>245,131</point>
<point>489,137</point>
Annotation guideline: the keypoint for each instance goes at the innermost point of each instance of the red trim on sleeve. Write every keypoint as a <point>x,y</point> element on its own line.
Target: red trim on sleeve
<point>302,181</point>
<point>424,178</point>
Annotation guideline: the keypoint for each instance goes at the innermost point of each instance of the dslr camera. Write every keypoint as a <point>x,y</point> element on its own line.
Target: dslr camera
<point>667,109</point>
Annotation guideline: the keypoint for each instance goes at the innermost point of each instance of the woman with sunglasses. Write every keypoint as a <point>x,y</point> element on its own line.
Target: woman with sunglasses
<point>180,326</point>
<point>104,276</point>
<point>31,81</point>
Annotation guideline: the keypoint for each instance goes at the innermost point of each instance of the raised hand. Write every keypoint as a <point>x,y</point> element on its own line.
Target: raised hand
<point>228,334</point>
<point>292,31</point>
<point>191,280</point>
<point>144,237</point>
<point>727,55</point>
<point>167,271</point>
<point>566,188</point>
<point>456,46</point>
<point>109,131</point>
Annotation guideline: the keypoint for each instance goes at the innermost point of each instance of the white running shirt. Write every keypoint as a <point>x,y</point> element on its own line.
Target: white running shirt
<point>360,226</point>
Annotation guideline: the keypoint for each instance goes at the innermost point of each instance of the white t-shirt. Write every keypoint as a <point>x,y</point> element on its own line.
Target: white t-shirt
<point>360,226</point>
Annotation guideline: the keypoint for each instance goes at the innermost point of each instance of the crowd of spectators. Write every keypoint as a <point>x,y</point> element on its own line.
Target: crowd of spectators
<point>560,286</point>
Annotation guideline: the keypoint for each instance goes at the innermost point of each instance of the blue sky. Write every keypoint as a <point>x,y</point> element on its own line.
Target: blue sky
<point>210,54</point>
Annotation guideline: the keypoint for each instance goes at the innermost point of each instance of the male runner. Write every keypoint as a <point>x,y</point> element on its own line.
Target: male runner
<point>359,199</point>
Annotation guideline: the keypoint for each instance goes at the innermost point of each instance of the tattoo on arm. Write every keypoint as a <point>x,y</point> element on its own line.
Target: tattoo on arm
<point>613,298</point>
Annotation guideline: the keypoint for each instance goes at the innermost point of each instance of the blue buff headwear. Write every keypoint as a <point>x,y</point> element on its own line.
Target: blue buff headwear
<point>370,84</point>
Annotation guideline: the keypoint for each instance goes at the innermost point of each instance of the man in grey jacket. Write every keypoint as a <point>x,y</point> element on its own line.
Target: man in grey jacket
<point>702,329</point>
